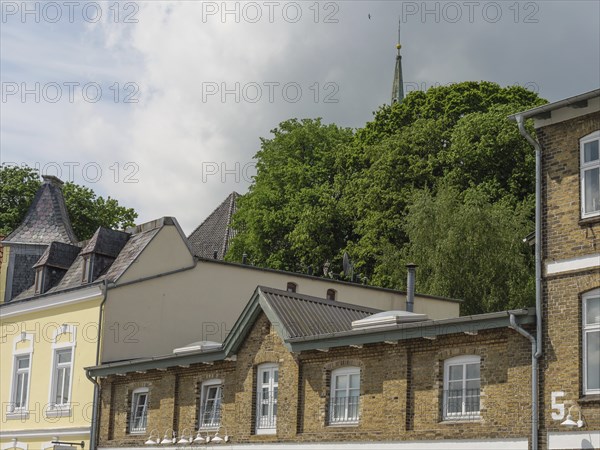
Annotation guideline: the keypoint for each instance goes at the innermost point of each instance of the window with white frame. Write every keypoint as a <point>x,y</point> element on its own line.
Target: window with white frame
<point>462,387</point>
<point>267,385</point>
<point>138,417</point>
<point>345,396</point>
<point>591,342</point>
<point>61,384</point>
<point>21,381</point>
<point>21,376</point>
<point>590,175</point>
<point>210,404</point>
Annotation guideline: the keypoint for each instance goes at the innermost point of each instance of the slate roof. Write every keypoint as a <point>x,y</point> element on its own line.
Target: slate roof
<point>215,233</point>
<point>47,219</point>
<point>129,253</point>
<point>106,242</point>
<point>304,315</point>
<point>58,254</point>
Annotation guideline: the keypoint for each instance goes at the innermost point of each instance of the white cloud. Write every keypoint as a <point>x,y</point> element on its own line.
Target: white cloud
<point>171,51</point>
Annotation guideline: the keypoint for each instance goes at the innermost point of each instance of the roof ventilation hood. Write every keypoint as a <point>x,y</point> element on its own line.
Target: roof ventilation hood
<point>198,346</point>
<point>388,318</point>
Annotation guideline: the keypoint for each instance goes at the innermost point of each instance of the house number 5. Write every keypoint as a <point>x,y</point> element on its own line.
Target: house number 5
<point>560,407</point>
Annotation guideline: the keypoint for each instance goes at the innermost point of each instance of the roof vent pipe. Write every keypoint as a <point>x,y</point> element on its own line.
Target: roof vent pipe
<point>410,286</point>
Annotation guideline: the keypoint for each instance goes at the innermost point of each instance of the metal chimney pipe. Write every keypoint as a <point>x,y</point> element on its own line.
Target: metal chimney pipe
<point>410,286</point>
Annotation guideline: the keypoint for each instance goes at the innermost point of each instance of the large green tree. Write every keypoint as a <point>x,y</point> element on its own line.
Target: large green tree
<point>290,219</point>
<point>87,211</point>
<point>467,246</point>
<point>355,193</point>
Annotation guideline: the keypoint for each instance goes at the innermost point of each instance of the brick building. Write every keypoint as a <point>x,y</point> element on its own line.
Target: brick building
<point>312,373</point>
<point>568,133</point>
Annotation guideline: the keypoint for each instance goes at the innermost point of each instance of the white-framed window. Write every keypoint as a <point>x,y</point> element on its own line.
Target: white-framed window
<point>590,174</point>
<point>21,377</point>
<point>63,368</point>
<point>138,418</point>
<point>267,385</point>
<point>210,404</point>
<point>345,396</point>
<point>462,387</point>
<point>591,342</point>
<point>61,379</point>
<point>21,381</point>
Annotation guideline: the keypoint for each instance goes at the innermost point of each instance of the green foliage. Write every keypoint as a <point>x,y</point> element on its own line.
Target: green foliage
<point>87,211</point>
<point>321,191</point>
<point>17,188</point>
<point>467,247</point>
<point>290,218</point>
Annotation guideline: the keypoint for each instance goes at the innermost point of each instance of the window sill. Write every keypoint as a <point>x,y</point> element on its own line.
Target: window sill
<point>138,433</point>
<point>455,420</point>
<point>209,428</point>
<point>590,398</point>
<point>261,431</point>
<point>589,220</point>
<point>17,415</point>
<point>343,424</point>
<point>58,411</point>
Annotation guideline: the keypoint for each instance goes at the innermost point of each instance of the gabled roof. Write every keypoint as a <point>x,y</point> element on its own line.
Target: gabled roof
<point>215,233</point>
<point>47,219</point>
<point>304,315</point>
<point>58,254</point>
<point>106,242</point>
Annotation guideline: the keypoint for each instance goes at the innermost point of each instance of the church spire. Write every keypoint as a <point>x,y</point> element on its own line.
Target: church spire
<point>398,83</point>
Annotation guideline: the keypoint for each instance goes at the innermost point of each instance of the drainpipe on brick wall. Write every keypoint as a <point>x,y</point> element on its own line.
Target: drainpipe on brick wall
<point>537,351</point>
<point>534,380</point>
<point>95,405</point>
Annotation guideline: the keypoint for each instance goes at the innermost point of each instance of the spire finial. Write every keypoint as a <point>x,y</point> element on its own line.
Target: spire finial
<point>398,83</point>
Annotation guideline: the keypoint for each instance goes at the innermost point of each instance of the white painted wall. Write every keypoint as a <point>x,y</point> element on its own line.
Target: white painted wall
<point>155,316</point>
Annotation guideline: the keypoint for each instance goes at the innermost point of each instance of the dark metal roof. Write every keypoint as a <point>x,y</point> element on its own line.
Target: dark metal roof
<point>47,219</point>
<point>106,242</point>
<point>304,315</point>
<point>58,254</point>
<point>214,234</point>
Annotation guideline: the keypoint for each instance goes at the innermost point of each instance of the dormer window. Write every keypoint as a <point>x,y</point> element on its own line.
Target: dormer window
<point>88,267</point>
<point>39,280</point>
<point>291,287</point>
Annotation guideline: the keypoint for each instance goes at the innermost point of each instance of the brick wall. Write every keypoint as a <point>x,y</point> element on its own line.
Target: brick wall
<point>401,388</point>
<point>565,236</point>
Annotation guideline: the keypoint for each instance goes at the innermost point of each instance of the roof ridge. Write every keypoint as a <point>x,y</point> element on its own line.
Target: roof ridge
<point>232,202</point>
<point>210,215</point>
<point>320,300</point>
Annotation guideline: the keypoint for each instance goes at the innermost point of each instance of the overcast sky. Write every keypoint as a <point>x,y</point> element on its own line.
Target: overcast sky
<point>161,104</point>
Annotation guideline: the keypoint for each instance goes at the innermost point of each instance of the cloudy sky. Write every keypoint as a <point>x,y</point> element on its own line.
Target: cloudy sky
<point>161,104</point>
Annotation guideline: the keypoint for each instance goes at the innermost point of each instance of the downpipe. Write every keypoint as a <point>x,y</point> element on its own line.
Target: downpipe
<point>95,404</point>
<point>536,343</point>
